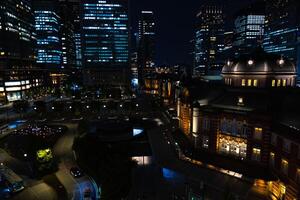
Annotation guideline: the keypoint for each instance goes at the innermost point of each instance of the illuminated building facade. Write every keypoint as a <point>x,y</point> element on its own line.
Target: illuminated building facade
<point>17,40</point>
<point>47,27</point>
<point>282,29</point>
<point>249,28</point>
<point>209,41</point>
<point>105,41</point>
<point>77,35</point>
<point>146,43</point>
<point>67,34</point>
<point>245,127</point>
<point>260,70</point>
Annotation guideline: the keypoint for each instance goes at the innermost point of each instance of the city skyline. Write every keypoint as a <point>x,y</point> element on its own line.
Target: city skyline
<point>176,23</point>
<point>139,99</point>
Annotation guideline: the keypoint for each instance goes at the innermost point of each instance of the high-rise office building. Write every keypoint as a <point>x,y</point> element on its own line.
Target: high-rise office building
<point>146,43</point>
<point>209,41</point>
<point>249,28</point>
<point>105,41</point>
<point>71,37</point>
<point>17,39</point>
<point>77,33</point>
<point>47,27</point>
<point>67,34</point>
<point>282,29</point>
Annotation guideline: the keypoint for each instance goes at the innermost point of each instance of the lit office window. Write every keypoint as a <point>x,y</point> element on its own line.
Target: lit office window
<point>243,82</point>
<point>240,101</point>
<point>257,133</point>
<point>284,82</point>
<point>255,83</point>
<point>278,83</point>
<point>249,82</point>
<point>256,154</point>
<point>273,83</point>
<point>284,166</point>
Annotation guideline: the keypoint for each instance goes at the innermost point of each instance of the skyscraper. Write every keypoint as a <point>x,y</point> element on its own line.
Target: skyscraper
<point>146,43</point>
<point>17,41</point>
<point>105,41</point>
<point>282,29</point>
<point>249,28</point>
<point>209,41</point>
<point>67,34</point>
<point>47,27</point>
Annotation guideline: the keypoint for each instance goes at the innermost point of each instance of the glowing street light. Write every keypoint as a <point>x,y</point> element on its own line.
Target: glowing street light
<point>250,62</point>
<point>281,61</point>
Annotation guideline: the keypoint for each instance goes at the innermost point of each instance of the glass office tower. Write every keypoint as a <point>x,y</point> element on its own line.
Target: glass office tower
<point>249,28</point>
<point>67,32</point>
<point>282,29</point>
<point>17,39</point>
<point>209,41</point>
<point>146,44</point>
<point>47,26</point>
<point>105,40</point>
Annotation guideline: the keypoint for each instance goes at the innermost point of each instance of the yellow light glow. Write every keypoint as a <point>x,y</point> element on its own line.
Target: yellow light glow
<point>249,82</point>
<point>255,83</point>
<point>243,82</point>
<point>273,83</point>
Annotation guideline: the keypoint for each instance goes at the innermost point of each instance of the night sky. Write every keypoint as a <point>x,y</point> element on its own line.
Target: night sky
<point>175,23</point>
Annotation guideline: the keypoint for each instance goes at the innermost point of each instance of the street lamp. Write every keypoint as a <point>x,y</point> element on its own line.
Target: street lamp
<point>25,155</point>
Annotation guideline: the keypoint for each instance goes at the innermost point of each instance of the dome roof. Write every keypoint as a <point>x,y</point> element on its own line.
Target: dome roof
<point>259,62</point>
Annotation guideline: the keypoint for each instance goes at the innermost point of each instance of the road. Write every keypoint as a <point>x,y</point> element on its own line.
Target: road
<point>74,186</point>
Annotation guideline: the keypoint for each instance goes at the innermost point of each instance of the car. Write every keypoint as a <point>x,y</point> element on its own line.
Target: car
<point>76,172</point>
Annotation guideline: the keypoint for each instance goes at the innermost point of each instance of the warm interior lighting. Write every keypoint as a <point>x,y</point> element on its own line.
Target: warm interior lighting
<point>255,83</point>
<point>243,82</point>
